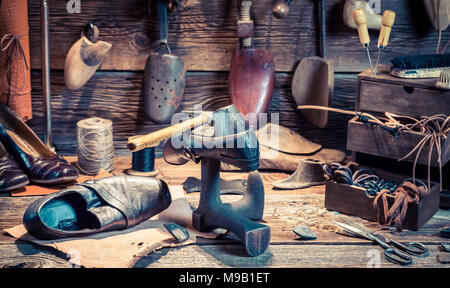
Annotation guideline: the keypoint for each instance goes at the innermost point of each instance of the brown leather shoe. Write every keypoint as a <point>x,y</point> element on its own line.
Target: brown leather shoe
<point>40,163</point>
<point>11,176</point>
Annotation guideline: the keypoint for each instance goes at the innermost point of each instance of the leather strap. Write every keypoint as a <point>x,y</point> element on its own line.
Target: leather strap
<point>106,192</point>
<point>404,195</point>
<point>10,44</point>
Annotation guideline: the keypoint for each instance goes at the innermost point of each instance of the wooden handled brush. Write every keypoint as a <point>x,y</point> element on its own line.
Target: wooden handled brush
<point>153,139</point>
<point>361,22</point>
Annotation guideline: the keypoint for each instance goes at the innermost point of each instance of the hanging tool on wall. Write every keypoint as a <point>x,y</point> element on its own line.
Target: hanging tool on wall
<point>439,14</point>
<point>313,81</point>
<point>361,22</point>
<point>164,75</point>
<point>45,64</point>
<point>373,19</point>
<point>252,71</point>
<point>15,71</point>
<point>281,9</point>
<point>84,57</point>
<point>387,21</point>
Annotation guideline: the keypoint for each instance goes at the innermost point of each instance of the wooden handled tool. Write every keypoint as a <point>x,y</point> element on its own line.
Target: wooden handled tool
<point>387,22</point>
<point>361,22</point>
<point>153,139</point>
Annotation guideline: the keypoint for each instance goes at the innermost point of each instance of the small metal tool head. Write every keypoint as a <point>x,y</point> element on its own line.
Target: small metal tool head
<point>178,233</point>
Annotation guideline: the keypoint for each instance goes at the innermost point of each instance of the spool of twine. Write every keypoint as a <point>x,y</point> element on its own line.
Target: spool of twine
<point>95,149</point>
<point>143,162</point>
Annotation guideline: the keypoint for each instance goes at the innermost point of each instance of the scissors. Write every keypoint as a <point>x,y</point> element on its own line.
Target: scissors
<point>393,251</point>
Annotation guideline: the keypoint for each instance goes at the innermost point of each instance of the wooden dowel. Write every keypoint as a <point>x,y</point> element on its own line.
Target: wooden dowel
<point>137,143</point>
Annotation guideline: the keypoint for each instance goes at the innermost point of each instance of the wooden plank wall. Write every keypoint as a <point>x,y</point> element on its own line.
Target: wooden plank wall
<point>204,37</point>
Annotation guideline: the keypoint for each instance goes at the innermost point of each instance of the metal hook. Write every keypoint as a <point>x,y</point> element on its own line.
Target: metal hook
<point>91,32</point>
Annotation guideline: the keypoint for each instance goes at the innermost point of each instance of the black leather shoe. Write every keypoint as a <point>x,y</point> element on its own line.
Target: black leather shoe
<point>107,204</point>
<point>40,163</point>
<point>227,139</point>
<point>11,176</point>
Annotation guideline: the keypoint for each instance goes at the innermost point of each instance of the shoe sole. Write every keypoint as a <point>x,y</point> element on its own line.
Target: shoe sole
<point>55,181</point>
<point>15,187</point>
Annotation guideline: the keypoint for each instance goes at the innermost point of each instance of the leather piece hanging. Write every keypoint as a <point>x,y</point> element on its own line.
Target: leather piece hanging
<point>15,83</point>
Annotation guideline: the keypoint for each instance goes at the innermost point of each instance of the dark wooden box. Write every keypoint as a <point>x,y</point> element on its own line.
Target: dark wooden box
<point>377,141</point>
<point>353,200</point>
<point>411,97</point>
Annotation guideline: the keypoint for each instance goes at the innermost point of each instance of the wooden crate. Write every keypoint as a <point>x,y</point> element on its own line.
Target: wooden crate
<point>353,200</point>
<point>377,141</point>
<point>412,97</point>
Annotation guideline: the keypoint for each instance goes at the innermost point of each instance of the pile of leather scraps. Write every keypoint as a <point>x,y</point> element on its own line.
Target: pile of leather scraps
<point>282,149</point>
<point>405,194</point>
<point>409,191</point>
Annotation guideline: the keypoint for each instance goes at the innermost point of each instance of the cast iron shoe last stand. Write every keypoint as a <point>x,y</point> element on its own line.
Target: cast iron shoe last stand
<point>240,216</point>
<point>236,217</point>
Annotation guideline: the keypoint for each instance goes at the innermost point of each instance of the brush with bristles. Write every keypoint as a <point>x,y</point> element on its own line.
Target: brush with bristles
<point>444,80</point>
<point>420,66</point>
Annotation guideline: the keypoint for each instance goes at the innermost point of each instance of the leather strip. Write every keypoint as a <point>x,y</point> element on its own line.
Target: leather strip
<point>404,195</point>
<point>114,199</point>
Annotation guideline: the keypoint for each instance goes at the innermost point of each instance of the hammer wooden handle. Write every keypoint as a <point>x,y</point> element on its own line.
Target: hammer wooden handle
<point>153,139</point>
<point>387,21</point>
<point>360,20</point>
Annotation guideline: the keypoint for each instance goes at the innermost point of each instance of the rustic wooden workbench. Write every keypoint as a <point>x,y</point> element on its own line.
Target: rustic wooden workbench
<point>283,211</point>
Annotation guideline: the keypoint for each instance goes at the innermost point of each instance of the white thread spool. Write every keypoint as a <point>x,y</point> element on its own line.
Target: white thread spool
<point>95,149</point>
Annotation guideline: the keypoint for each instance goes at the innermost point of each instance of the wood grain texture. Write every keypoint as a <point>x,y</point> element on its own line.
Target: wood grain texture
<point>412,97</point>
<point>117,96</point>
<point>205,36</point>
<point>25,255</point>
<point>375,140</point>
<point>277,256</point>
<point>283,209</point>
<point>412,33</point>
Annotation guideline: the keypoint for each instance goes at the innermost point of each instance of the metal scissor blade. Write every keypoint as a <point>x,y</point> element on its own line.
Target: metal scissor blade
<point>353,230</point>
<point>356,225</point>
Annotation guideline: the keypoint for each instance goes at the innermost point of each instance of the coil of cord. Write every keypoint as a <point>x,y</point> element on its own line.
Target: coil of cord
<point>363,177</point>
